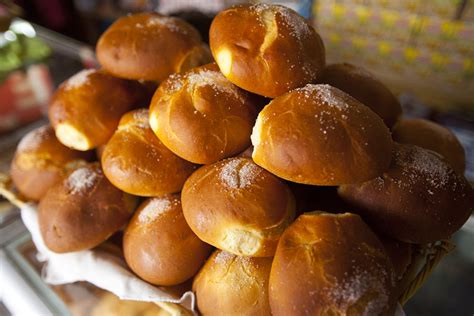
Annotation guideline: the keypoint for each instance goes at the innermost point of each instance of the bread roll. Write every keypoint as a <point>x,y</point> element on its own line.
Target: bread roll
<point>201,116</point>
<point>82,211</point>
<point>150,46</point>
<point>400,253</point>
<point>86,108</point>
<point>266,49</point>
<point>158,244</point>
<point>420,199</point>
<point>233,285</point>
<point>41,160</point>
<point>329,264</point>
<point>320,135</point>
<point>431,136</point>
<point>237,206</point>
<point>363,86</point>
<point>135,160</point>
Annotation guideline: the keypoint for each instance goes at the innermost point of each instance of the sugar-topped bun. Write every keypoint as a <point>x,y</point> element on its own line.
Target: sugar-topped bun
<point>86,108</point>
<point>83,210</point>
<point>266,49</point>
<point>41,160</point>
<point>237,206</point>
<point>431,136</point>
<point>363,86</point>
<point>201,116</point>
<point>135,160</point>
<point>158,244</point>
<point>150,46</point>
<point>231,285</point>
<point>420,199</point>
<point>320,135</point>
<point>328,264</point>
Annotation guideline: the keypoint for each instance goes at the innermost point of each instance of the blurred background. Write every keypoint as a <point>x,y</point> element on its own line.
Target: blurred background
<point>422,50</point>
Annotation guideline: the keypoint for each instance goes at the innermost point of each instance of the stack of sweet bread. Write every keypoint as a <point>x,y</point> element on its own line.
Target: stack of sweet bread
<point>282,185</point>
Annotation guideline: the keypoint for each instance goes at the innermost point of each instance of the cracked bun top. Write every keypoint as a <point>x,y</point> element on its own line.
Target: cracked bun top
<point>86,108</point>
<point>150,46</point>
<point>203,117</point>
<point>266,49</point>
<point>137,162</point>
<point>328,264</point>
<point>320,135</point>
<point>237,206</point>
<point>242,280</point>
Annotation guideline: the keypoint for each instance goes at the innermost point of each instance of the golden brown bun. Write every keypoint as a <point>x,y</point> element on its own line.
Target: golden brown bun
<point>266,49</point>
<point>135,160</point>
<point>158,244</point>
<point>320,135</point>
<point>201,116</point>
<point>41,161</point>
<point>329,264</point>
<point>86,108</point>
<point>83,210</point>
<point>431,136</point>
<point>420,199</point>
<point>150,46</point>
<point>363,86</point>
<point>237,206</point>
<point>231,285</point>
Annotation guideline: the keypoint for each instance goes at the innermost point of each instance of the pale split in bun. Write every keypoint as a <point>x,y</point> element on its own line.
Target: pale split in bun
<point>137,162</point>
<point>232,285</point>
<point>83,210</point>
<point>237,206</point>
<point>150,46</point>
<point>419,199</point>
<point>328,264</point>
<point>86,108</point>
<point>363,86</point>
<point>41,161</point>
<point>201,116</point>
<point>158,244</point>
<point>320,135</point>
<point>431,136</point>
<point>266,49</point>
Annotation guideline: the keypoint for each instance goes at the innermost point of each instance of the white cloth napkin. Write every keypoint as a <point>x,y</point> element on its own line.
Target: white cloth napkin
<point>100,268</point>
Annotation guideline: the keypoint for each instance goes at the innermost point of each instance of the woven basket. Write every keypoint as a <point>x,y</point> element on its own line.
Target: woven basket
<point>425,258</point>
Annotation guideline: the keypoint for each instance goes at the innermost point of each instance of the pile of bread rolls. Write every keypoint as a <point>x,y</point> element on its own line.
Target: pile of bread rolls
<point>319,217</point>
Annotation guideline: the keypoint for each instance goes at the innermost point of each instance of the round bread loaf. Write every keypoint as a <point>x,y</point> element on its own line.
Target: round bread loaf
<point>41,161</point>
<point>135,160</point>
<point>363,86</point>
<point>237,206</point>
<point>328,264</point>
<point>420,199</point>
<point>83,210</point>
<point>150,46</point>
<point>158,244</point>
<point>320,135</point>
<point>231,285</point>
<point>201,116</point>
<point>266,49</point>
<point>431,136</point>
<point>86,108</point>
